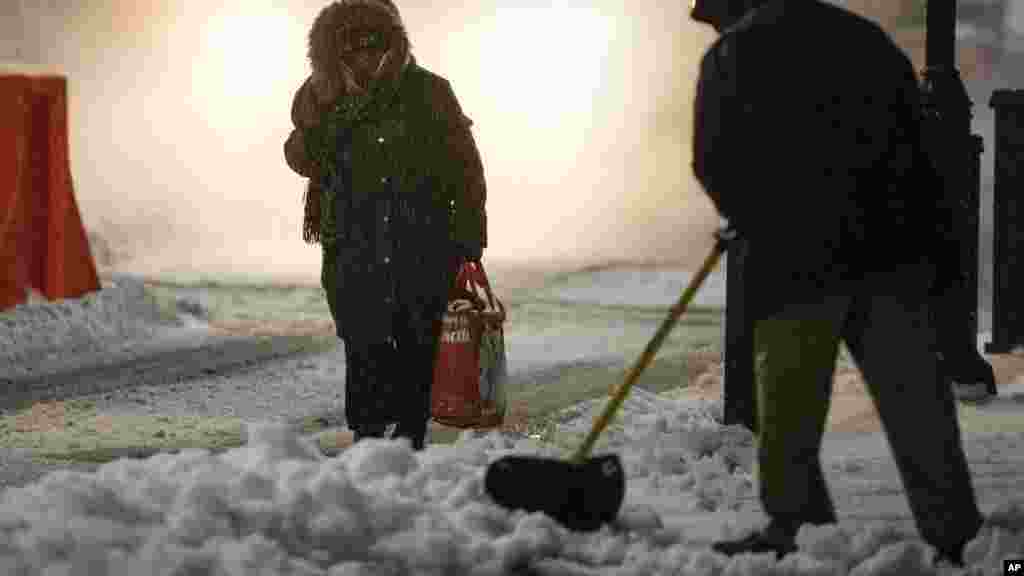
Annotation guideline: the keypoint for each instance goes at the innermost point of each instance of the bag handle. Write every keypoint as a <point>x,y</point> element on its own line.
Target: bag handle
<point>472,273</point>
<point>463,287</point>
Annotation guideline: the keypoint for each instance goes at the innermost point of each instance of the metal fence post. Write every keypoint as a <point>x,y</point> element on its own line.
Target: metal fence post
<point>947,111</point>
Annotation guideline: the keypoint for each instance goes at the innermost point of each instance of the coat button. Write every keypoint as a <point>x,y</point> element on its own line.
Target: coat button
<point>387,260</point>
<point>386,219</point>
<point>383,179</point>
<point>380,139</point>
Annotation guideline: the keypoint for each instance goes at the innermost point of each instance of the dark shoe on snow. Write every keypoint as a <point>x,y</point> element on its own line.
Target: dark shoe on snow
<point>941,559</point>
<point>772,539</point>
<point>951,551</point>
<point>415,432</point>
<point>369,432</point>
<point>953,555</point>
<point>974,381</point>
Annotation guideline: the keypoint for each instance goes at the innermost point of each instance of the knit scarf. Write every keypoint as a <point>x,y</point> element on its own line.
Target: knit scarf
<point>349,111</point>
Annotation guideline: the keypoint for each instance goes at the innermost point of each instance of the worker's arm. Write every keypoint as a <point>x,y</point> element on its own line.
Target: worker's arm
<point>714,138</point>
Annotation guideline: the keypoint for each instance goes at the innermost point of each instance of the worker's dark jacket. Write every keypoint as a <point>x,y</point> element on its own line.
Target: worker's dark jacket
<point>807,138</point>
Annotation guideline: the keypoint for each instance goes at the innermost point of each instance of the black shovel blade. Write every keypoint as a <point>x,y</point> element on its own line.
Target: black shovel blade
<point>581,497</point>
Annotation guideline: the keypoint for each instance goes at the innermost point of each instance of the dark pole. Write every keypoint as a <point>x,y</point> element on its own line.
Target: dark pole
<point>1008,235</point>
<point>946,106</point>
<point>956,152</point>
<point>940,47</point>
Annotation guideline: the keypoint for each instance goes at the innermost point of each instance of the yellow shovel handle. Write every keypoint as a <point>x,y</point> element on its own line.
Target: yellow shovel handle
<point>648,354</point>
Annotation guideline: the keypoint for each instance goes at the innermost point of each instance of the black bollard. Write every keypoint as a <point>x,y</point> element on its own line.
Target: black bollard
<point>1008,233</point>
<point>956,152</point>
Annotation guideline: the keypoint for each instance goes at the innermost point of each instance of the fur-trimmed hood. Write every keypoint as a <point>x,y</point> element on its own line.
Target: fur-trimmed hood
<point>330,74</point>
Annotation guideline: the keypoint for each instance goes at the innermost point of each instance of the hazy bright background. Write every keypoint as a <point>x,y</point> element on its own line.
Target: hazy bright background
<point>582,111</point>
<point>179,110</point>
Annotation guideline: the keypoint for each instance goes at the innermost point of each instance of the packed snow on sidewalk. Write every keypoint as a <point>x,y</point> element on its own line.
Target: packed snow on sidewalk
<point>120,319</point>
<point>276,506</point>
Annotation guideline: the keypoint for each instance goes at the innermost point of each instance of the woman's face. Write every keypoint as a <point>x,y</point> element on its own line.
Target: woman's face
<point>363,60</point>
<point>364,40</point>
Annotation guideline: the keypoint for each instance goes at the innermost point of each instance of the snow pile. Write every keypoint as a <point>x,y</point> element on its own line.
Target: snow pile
<point>671,446</point>
<point>272,507</point>
<point>276,506</point>
<point>42,333</point>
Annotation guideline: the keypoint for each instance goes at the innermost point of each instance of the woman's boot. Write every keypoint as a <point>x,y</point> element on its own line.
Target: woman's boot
<point>415,431</point>
<point>375,431</point>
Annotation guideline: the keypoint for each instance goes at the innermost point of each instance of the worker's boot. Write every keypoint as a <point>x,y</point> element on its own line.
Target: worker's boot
<point>778,538</point>
<point>972,377</point>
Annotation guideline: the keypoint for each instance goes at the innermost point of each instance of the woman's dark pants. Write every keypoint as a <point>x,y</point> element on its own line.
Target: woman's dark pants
<point>389,382</point>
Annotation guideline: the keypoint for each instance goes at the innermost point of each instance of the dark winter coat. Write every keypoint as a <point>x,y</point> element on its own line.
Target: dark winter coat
<point>807,138</point>
<point>401,190</point>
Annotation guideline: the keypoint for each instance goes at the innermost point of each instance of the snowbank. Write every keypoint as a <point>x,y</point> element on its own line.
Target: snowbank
<point>42,336</point>
<point>276,506</point>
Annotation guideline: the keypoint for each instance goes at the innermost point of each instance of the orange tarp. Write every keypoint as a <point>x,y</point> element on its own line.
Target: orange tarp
<point>43,244</point>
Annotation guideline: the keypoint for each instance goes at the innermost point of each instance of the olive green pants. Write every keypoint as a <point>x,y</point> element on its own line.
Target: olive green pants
<point>891,339</point>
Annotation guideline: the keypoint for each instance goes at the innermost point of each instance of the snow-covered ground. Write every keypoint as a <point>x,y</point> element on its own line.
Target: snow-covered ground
<point>120,320</point>
<point>277,506</point>
<point>124,319</point>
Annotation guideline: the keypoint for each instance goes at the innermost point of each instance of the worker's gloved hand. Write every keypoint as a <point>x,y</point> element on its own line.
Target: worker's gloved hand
<point>726,235</point>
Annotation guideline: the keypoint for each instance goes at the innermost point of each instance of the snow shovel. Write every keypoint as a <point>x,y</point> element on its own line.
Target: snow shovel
<point>585,493</point>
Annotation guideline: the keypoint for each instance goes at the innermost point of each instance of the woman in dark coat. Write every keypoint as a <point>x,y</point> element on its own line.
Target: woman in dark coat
<point>395,197</point>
